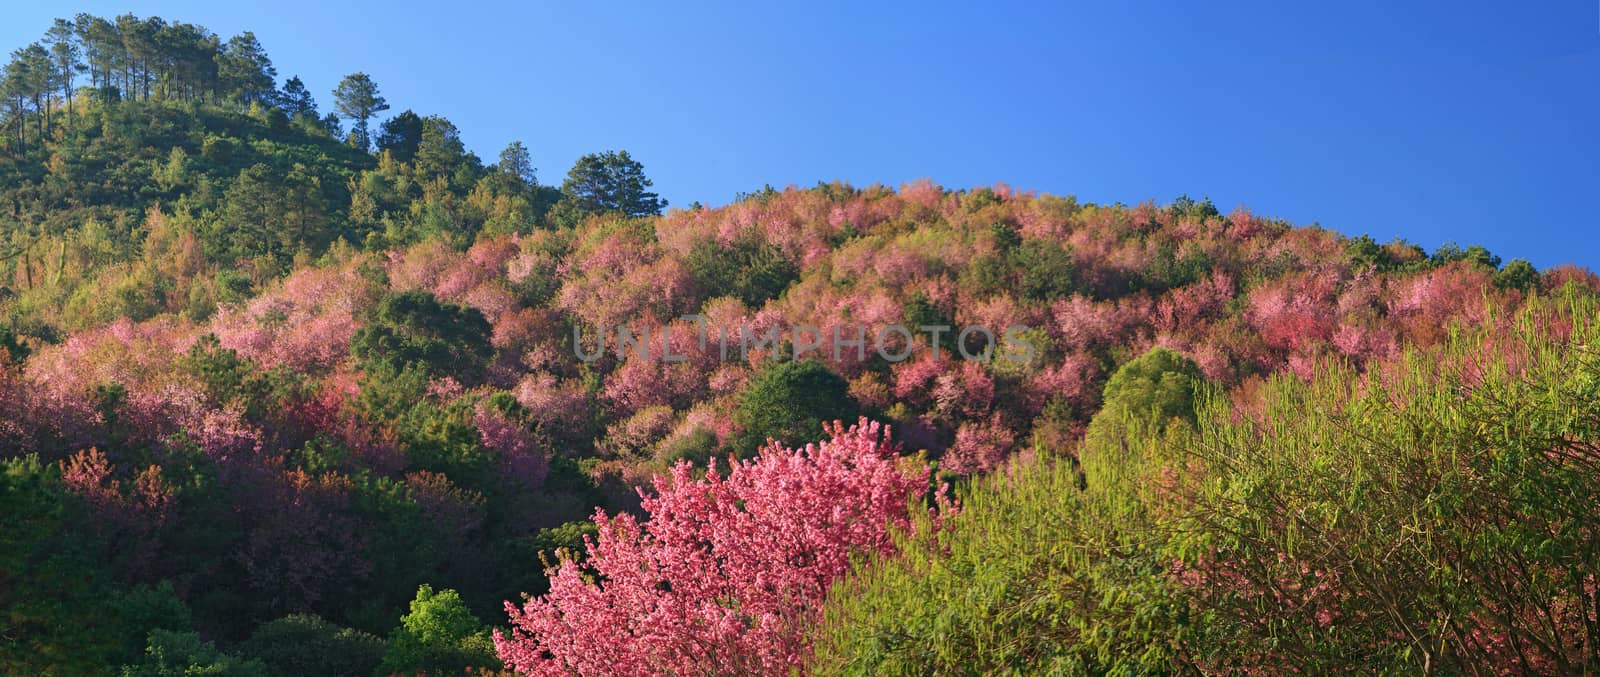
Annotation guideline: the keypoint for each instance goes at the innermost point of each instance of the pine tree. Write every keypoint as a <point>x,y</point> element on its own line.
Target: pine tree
<point>611,182</point>
<point>357,98</point>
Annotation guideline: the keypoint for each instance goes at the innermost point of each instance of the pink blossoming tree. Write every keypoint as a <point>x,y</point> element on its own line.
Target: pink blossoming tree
<point>728,570</point>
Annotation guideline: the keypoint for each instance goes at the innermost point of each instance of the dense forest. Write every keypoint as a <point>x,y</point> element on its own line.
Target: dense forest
<point>285,392</point>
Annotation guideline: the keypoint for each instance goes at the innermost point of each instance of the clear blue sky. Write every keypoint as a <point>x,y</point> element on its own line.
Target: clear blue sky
<point>1470,121</point>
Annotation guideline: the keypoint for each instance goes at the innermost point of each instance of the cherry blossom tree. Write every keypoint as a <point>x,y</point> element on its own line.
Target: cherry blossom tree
<point>727,571</point>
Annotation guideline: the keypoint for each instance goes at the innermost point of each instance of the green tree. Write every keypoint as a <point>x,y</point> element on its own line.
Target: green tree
<point>302,644</point>
<point>611,182</point>
<point>440,150</point>
<point>1518,274</point>
<point>415,328</point>
<point>64,50</point>
<point>401,135</point>
<point>184,654</point>
<point>789,402</point>
<point>746,269</point>
<point>245,71</point>
<point>1160,384</point>
<point>269,212</point>
<point>357,99</point>
<point>1451,252</point>
<point>516,166</point>
<point>296,100</point>
<point>439,636</point>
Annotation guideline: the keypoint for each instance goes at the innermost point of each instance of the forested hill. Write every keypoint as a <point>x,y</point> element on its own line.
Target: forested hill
<point>287,389</point>
<point>107,121</point>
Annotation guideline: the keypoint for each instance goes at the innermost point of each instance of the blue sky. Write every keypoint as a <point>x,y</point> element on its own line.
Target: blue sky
<point>1477,122</point>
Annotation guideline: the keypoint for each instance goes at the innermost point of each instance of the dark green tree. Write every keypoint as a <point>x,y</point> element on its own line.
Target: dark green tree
<point>789,402</point>
<point>357,99</point>
<point>401,135</point>
<point>516,166</point>
<point>303,644</point>
<point>415,328</point>
<point>245,71</point>
<point>180,654</point>
<point>747,269</point>
<point>65,52</point>
<point>611,182</point>
<point>440,150</point>
<point>1518,274</point>
<point>296,99</point>
<point>268,212</point>
<point>1451,252</point>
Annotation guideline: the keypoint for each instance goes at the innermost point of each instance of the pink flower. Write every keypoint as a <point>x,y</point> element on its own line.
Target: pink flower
<point>727,571</point>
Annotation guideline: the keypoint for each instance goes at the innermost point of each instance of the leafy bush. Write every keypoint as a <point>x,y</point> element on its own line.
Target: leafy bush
<point>789,402</point>
<point>302,644</point>
<point>439,636</point>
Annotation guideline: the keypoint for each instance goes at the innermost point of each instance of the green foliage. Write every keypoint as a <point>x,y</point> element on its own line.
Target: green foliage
<point>698,447</point>
<point>1166,269</point>
<point>1045,270</point>
<point>415,328</point>
<point>439,636</point>
<point>1451,252</point>
<point>11,349</point>
<point>789,402</point>
<point>233,286</point>
<point>1040,572</point>
<point>747,270</point>
<point>443,439</point>
<point>440,152</point>
<point>45,575</point>
<point>1398,255</point>
<point>388,391</point>
<point>610,182</point>
<point>236,382</point>
<point>401,135</point>
<point>1034,576</point>
<point>920,312</point>
<point>357,99</point>
<point>1188,207</point>
<point>1160,385</point>
<point>184,654</point>
<point>269,213</point>
<point>1518,274</point>
<point>1036,270</point>
<point>302,644</point>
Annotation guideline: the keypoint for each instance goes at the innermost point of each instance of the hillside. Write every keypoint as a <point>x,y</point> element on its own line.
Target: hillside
<point>275,395</point>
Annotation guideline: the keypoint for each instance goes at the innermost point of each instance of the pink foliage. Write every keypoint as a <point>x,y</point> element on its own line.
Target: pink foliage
<point>521,458</point>
<point>1426,304</point>
<point>980,446</point>
<point>966,390</point>
<point>419,267</point>
<point>34,418</point>
<point>1294,312</point>
<point>1082,324</point>
<point>306,324</point>
<point>135,355</point>
<point>1074,380</point>
<point>561,409</point>
<point>727,571</point>
<point>1187,307</point>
